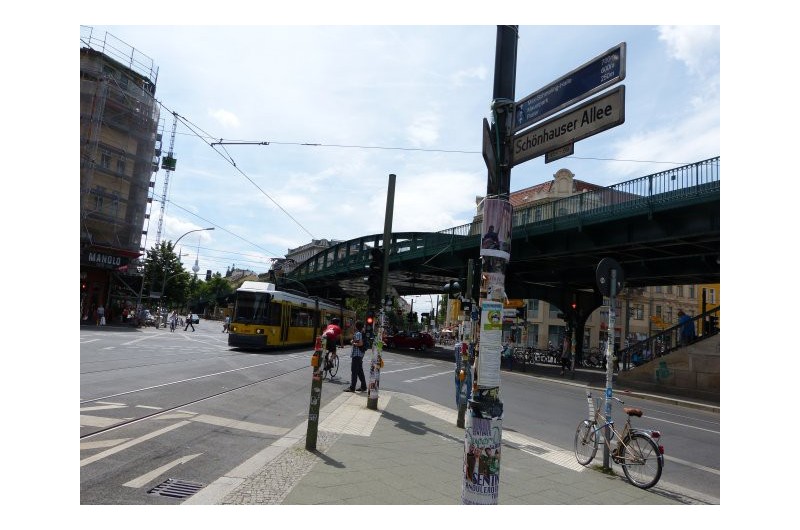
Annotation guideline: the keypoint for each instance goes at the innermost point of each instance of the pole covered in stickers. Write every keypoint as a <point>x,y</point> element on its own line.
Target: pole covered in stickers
<point>484,420</point>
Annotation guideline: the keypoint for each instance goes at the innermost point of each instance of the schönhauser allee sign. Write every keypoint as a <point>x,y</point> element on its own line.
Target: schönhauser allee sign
<point>596,115</point>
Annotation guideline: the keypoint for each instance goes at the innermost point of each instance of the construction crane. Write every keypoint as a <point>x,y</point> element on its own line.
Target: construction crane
<point>168,165</point>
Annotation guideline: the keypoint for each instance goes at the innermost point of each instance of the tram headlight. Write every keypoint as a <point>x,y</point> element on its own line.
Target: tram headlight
<point>259,331</point>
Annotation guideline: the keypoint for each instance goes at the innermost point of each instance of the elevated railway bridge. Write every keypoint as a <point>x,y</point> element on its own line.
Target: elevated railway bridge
<point>663,229</point>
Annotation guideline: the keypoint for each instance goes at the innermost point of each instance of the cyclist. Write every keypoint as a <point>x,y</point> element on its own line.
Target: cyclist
<point>333,334</point>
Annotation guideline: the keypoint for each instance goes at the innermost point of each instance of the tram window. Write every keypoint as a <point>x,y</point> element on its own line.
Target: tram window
<point>274,317</point>
<point>301,318</point>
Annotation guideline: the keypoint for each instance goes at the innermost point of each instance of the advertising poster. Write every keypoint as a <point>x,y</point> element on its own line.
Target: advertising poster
<point>496,230</point>
<point>374,376</point>
<point>491,344</point>
<point>482,440</point>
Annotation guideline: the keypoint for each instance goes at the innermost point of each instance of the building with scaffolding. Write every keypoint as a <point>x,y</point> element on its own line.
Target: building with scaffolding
<point>119,158</point>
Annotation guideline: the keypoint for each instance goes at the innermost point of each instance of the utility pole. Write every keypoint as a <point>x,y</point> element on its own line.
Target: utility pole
<point>484,423</point>
<point>377,360</point>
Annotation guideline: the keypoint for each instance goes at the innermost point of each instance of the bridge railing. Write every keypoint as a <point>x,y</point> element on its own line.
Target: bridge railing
<point>685,181</point>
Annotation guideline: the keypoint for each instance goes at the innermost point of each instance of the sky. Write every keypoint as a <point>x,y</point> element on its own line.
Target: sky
<point>342,107</point>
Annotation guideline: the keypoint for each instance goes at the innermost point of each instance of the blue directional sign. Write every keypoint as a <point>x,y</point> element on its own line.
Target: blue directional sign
<point>604,70</point>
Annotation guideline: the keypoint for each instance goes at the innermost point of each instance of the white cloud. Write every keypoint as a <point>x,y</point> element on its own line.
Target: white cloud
<point>225,118</point>
<point>424,129</point>
<point>697,46</point>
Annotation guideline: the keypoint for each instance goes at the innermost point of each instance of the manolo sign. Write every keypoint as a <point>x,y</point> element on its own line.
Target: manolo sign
<point>594,116</point>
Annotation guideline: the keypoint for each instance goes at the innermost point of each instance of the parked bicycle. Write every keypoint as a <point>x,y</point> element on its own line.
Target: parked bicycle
<point>636,450</point>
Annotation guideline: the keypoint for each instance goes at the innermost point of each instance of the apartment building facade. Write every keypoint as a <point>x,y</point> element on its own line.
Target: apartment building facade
<point>119,155</point>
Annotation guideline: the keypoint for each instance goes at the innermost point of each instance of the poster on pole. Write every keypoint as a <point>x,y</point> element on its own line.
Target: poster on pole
<point>496,230</point>
<point>491,344</point>
<point>482,441</point>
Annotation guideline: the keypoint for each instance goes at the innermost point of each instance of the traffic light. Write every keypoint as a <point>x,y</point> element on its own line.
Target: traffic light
<point>208,275</point>
<point>453,289</point>
<point>375,278</point>
<point>370,318</point>
<point>425,318</point>
<point>83,287</point>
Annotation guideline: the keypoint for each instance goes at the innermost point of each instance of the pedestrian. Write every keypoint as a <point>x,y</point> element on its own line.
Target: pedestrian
<point>173,320</point>
<point>357,361</point>
<point>101,316</point>
<point>566,353</point>
<point>189,322</point>
<point>508,354</point>
<point>686,328</point>
<point>227,325</point>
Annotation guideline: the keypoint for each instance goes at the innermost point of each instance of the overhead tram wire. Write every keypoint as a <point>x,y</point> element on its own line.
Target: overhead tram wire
<point>221,228</point>
<point>230,160</point>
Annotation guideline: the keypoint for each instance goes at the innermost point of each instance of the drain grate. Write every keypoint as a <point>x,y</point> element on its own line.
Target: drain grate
<point>177,489</point>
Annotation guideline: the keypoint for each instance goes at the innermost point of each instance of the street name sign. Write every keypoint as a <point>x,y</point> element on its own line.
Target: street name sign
<point>561,152</point>
<point>596,115</point>
<point>603,71</point>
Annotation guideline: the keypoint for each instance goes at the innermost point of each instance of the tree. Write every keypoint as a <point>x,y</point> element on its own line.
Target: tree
<point>162,262</point>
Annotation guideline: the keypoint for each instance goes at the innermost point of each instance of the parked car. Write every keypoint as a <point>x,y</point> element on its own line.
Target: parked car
<point>195,319</point>
<point>409,339</point>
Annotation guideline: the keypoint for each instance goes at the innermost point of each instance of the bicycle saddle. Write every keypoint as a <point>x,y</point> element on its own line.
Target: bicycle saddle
<point>630,411</point>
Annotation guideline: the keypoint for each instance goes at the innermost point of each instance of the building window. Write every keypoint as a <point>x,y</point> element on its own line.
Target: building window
<point>537,214</point>
<point>533,309</point>
<point>691,292</point>
<point>533,336</point>
<point>668,315</point>
<point>679,290</point>
<point>669,289</point>
<point>658,288</point>
<point>637,312</point>
<point>712,296</point>
<point>658,310</point>
<point>554,311</point>
<point>121,167</point>
<point>105,161</point>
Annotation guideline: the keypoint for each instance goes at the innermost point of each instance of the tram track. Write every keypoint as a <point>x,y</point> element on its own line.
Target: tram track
<point>182,405</point>
<point>175,362</point>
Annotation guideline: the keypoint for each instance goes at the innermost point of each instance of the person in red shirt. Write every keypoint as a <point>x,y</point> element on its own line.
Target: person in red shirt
<point>333,333</point>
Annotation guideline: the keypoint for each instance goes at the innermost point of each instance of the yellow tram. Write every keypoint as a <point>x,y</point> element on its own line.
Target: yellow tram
<point>265,318</point>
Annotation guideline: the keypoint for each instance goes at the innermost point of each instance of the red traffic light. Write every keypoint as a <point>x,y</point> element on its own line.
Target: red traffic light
<point>574,305</point>
<point>370,319</point>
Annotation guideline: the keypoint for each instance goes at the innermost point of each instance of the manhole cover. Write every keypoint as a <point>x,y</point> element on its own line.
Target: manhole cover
<point>177,489</point>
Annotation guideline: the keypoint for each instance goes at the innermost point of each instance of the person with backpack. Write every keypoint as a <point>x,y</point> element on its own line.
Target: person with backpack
<point>357,361</point>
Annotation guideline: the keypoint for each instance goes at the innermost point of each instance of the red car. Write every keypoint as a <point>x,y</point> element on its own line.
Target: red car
<point>409,339</point>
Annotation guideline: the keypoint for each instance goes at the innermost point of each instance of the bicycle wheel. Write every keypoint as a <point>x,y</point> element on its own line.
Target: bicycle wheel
<point>585,442</point>
<point>641,460</point>
<point>334,366</point>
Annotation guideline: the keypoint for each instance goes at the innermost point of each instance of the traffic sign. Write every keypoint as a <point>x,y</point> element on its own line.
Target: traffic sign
<point>603,276</point>
<point>596,115</point>
<point>489,154</point>
<point>603,71</point>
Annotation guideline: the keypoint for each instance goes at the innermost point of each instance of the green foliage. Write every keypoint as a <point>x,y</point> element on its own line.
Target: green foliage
<point>162,263</point>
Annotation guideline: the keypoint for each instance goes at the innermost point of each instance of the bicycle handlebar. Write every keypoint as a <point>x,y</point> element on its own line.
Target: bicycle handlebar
<point>589,395</point>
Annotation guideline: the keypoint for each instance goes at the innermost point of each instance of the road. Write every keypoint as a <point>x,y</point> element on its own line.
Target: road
<point>183,405</point>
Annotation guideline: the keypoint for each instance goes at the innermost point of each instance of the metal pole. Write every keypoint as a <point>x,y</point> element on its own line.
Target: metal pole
<point>376,363</point>
<point>483,430</point>
<point>316,395</point>
<point>609,364</point>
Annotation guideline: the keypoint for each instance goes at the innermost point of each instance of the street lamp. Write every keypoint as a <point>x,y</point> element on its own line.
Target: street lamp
<point>164,283</point>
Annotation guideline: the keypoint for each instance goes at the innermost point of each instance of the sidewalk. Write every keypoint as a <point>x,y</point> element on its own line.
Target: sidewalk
<point>409,452</point>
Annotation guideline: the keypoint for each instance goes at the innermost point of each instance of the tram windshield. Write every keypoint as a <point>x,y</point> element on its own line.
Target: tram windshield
<point>251,308</point>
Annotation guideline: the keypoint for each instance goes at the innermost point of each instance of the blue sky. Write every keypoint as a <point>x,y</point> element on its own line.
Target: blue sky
<point>407,100</point>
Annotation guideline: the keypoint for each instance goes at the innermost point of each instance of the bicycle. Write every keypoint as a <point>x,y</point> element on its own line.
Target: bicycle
<point>331,365</point>
<point>641,458</point>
